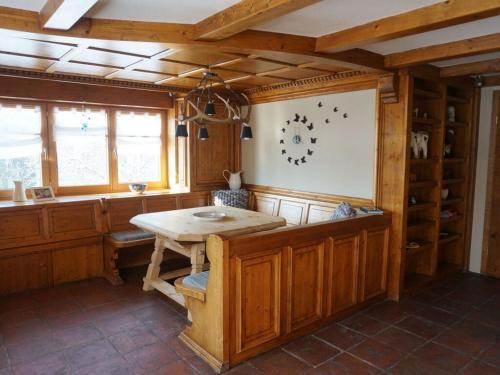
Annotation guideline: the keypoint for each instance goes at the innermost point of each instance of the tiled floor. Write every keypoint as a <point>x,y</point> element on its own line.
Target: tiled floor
<point>92,328</point>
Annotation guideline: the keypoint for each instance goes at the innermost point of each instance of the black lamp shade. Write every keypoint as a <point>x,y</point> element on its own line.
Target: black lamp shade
<point>246,132</point>
<point>181,131</point>
<point>210,109</point>
<point>202,133</point>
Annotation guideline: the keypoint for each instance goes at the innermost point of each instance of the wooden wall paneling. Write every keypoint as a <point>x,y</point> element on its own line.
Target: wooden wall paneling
<point>24,272</point>
<point>258,294</point>
<point>191,200</point>
<point>266,204</point>
<point>305,285</point>
<point>343,258</point>
<point>319,212</point>
<point>119,211</point>
<point>293,211</point>
<point>74,220</point>
<point>19,227</point>
<point>374,250</point>
<point>160,203</point>
<point>77,262</point>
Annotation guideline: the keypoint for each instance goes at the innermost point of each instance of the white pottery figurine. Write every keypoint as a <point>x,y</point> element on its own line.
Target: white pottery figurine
<point>419,144</point>
<point>234,179</point>
<point>18,195</point>
<point>451,113</point>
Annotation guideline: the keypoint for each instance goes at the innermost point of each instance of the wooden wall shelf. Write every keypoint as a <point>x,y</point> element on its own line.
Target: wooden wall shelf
<point>451,201</point>
<point>449,239</point>
<point>457,124</point>
<point>421,206</point>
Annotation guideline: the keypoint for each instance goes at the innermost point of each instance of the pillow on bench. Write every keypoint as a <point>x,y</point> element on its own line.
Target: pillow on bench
<point>197,280</point>
<point>131,235</point>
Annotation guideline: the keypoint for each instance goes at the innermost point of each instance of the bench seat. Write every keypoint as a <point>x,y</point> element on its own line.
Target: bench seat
<point>131,235</point>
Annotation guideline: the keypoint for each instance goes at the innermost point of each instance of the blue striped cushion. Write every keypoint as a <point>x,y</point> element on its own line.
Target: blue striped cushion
<point>197,280</point>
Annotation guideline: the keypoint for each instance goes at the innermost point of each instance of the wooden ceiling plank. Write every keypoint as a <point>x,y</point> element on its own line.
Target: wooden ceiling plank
<point>243,15</point>
<point>67,57</point>
<point>479,67</point>
<point>460,48</point>
<point>63,14</point>
<point>156,56</point>
<point>444,14</point>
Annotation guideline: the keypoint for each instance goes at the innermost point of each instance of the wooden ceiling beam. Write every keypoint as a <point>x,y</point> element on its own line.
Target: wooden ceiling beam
<point>444,14</point>
<point>243,15</point>
<point>479,67</point>
<point>179,36</point>
<point>63,14</point>
<point>491,81</point>
<point>460,48</point>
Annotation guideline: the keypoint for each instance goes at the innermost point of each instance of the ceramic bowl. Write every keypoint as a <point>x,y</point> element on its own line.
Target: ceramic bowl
<point>209,215</point>
<point>138,188</point>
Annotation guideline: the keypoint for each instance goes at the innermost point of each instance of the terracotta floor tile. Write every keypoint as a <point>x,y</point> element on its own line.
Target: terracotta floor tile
<point>492,354</point>
<point>201,366</point>
<point>420,327</point>
<point>244,369</point>
<point>437,316</point>
<point>151,357</point>
<point>378,354</point>
<point>16,334</point>
<point>344,364</point>
<point>487,317</point>
<point>32,349</point>
<point>155,313</point>
<point>73,336</point>
<point>17,302</point>
<point>117,323</point>
<point>5,371</point>
<point>179,367</point>
<point>48,365</point>
<point>51,295</point>
<point>364,324</point>
<point>75,319</point>
<point>132,339</point>
<point>454,306</point>
<point>179,347</point>
<point>165,328</point>
<point>18,318</point>
<point>468,337</point>
<point>113,366</point>
<point>90,354</point>
<point>311,350</point>
<point>480,368</point>
<point>94,298</point>
<point>58,308</point>
<point>4,361</point>
<point>107,310</point>
<point>340,336</point>
<point>392,312</point>
<point>414,366</point>
<point>441,357</point>
<point>278,362</point>
<point>399,340</point>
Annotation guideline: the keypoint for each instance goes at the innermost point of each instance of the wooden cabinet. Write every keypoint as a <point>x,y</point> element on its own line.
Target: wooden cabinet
<point>193,200</point>
<point>72,221</point>
<point>20,227</point>
<point>373,278</point>
<point>119,211</point>
<point>160,203</point>
<point>18,273</point>
<point>305,293</point>
<point>257,300</point>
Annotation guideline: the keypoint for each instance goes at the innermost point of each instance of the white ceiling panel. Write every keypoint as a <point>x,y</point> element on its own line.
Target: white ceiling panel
<point>329,16</point>
<point>468,59</point>
<point>445,35</point>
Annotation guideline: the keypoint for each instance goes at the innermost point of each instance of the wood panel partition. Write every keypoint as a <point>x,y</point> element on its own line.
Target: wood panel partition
<point>266,288</point>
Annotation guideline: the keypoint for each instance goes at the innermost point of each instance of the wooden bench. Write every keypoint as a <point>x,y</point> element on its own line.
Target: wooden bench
<point>302,277</point>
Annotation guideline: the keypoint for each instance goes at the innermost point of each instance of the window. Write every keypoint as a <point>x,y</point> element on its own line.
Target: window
<point>81,139</point>
<point>139,147</point>
<point>20,145</point>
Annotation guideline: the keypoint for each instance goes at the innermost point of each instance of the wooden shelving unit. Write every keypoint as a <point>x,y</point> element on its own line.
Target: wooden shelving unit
<point>437,254</point>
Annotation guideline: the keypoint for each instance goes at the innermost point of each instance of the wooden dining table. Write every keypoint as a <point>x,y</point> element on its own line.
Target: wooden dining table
<point>184,233</point>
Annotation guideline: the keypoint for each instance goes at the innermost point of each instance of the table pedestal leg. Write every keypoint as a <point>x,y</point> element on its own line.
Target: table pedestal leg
<point>197,257</point>
<point>154,266</point>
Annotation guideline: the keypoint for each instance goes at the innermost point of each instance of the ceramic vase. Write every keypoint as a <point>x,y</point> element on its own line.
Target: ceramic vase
<point>18,195</point>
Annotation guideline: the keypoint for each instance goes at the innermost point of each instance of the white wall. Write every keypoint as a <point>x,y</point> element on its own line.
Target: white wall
<point>485,116</point>
<point>343,157</point>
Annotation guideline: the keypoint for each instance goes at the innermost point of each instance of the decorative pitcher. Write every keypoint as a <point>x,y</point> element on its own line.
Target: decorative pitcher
<point>234,179</point>
<point>18,195</point>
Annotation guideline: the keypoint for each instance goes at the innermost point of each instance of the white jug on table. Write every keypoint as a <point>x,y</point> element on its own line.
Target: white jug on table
<point>234,179</point>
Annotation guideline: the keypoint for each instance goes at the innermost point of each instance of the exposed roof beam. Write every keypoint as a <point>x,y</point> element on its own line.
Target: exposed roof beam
<point>460,48</point>
<point>63,14</point>
<point>491,80</point>
<point>243,15</point>
<point>181,36</point>
<point>480,67</point>
<point>448,13</point>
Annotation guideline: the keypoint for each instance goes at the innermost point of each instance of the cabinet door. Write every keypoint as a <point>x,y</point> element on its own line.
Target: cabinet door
<point>77,262</point>
<point>72,221</point>
<point>373,264</point>
<point>257,299</point>
<point>343,273</point>
<point>305,293</point>
<point>161,203</point>
<point>21,227</point>
<point>24,272</point>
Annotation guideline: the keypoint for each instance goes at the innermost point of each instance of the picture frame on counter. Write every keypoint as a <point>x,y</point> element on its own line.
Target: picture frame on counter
<point>42,194</point>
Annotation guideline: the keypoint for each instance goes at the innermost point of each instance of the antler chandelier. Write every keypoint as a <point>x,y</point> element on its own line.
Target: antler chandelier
<point>214,102</point>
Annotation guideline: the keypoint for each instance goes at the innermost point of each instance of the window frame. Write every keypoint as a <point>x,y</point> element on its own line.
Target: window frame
<point>48,155</point>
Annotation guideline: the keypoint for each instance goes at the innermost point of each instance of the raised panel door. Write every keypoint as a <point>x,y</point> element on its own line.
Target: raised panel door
<point>21,227</point>
<point>373,264</point>
<point>77,263</point>
<point>74,221</point>
<point>343,273</point>
<point>257,299</point>
<point>293,212</point>
<point>162,203</point>
<point>305,293</point>
<point>319,213</point>
<point>24,272</point>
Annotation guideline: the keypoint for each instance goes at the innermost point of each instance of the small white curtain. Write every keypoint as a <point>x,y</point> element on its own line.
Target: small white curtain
<point>76,124</point>
<point>20,129</point>
<point>138,133</point>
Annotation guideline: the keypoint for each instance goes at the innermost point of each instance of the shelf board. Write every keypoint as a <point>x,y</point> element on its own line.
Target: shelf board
<point>453,160</point>
<point>420,223</point>
<point>423,161</point>
<point>448,239</point>
<point>451,201</point>
<point>428,94</point>
<point>426,121</point>
<point>450,220</point>
<point>423,247</point>
<point>453,181</point>
<point>457,124</point>
<point>456,99</point>
<point>423,184</point>
<point>420,206</point>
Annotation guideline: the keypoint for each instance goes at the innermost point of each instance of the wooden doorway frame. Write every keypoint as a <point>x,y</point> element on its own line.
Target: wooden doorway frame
<point>494,129</point>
